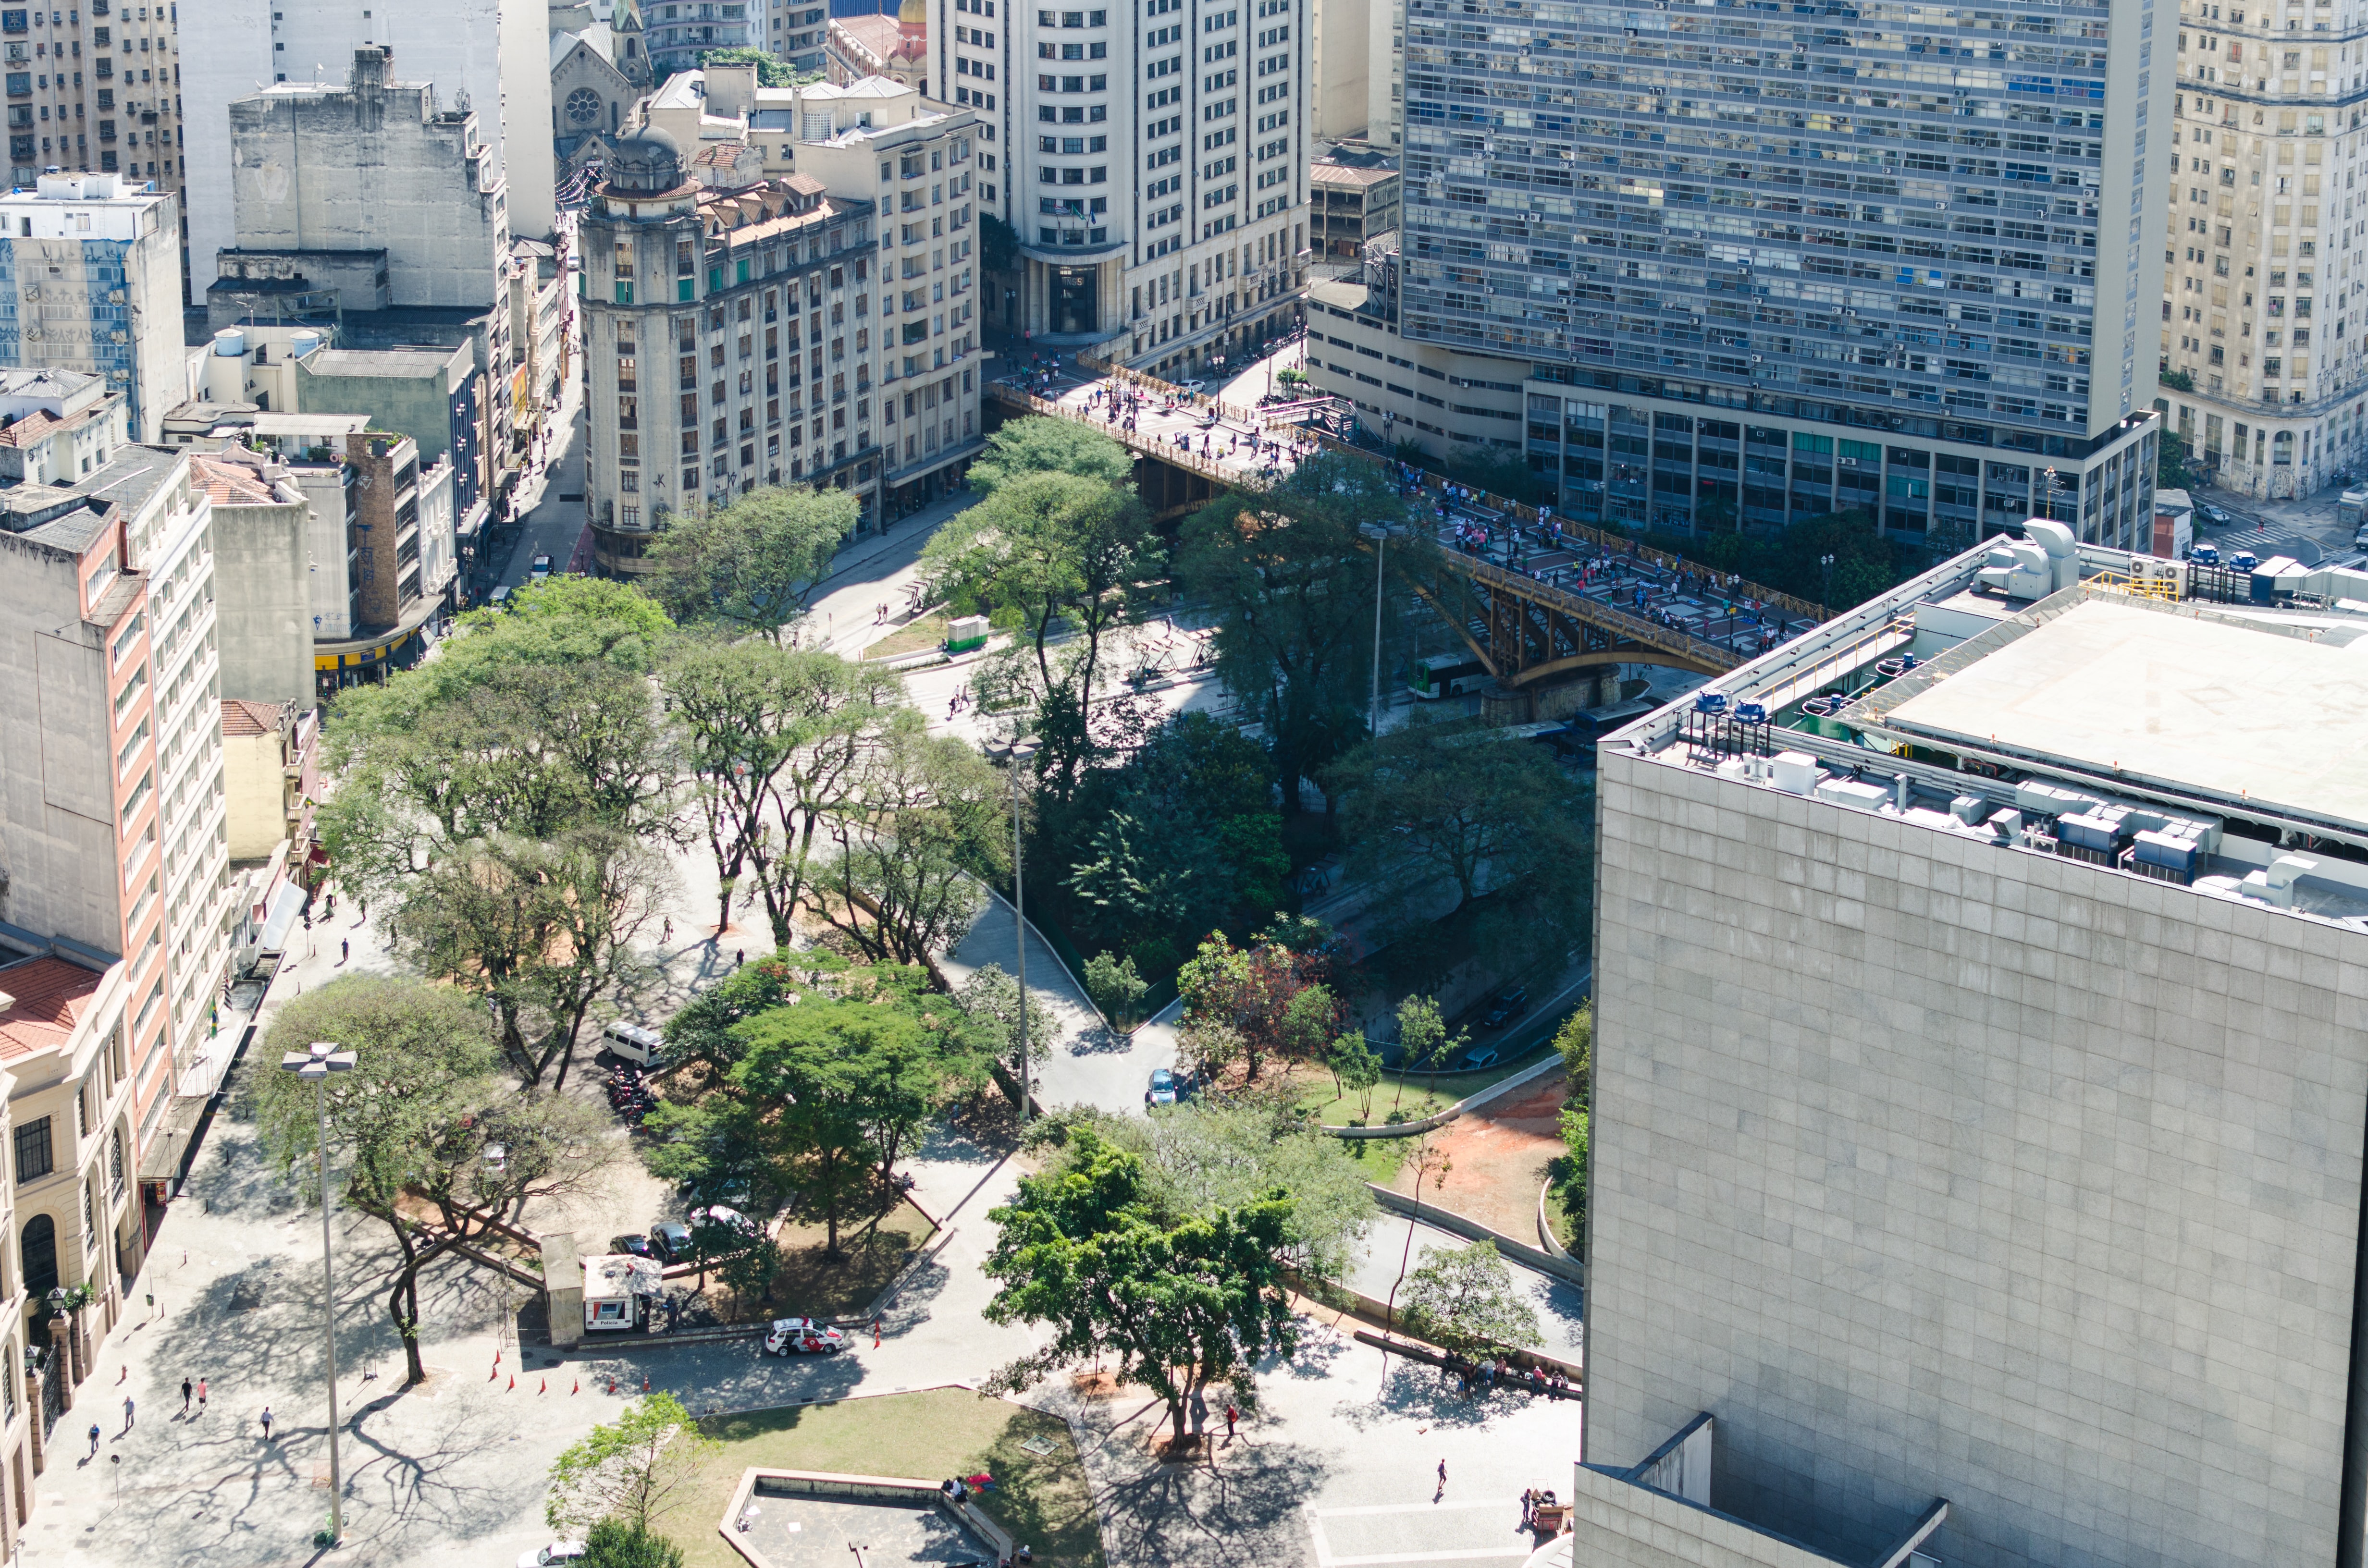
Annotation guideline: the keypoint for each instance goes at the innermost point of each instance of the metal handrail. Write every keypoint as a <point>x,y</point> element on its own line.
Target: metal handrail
<point>1610,617</point>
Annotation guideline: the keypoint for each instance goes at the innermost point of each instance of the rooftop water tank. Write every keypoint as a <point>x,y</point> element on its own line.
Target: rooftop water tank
<point>1710,702</point>
<point>230,343</point>
<point>302,343</point>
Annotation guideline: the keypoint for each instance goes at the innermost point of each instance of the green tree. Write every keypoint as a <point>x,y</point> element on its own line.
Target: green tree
<point>1466,1302</point>
<point>1310,1020</point>
<point>1115,986</point>
<point>2171,457</point>
<point>411,1124</point>
<point>1251,990</point>
<point>1176,1306</point>
<point>772,71</point>
<point>612,1543</point>
<point>629,1470</point>
<point>1574,1041</point>
<point>1357,1070</point>
<point>1423,1039</point>
<point>1038,444</point>
<point>1570,1173</point>
<point>755,562</point>
<point>1473,843</point>
<point>998,246</point>
<point>990,1001</point>
<point>920,827</point>
<point>1288,576</point>
<point>774,740</point>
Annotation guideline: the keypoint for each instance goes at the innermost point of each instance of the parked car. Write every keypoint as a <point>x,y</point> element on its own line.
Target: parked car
<point>722,1214</point>
<point>540,570</point>
<point>1509,1005</point>
<point>803,1336</point>
<point>670,1241</point>
<point>1193,386</point>
<point>635,1246</point>
<point>1163,1087</point>
<point>1480,1057</point>
<point>557,1551</point>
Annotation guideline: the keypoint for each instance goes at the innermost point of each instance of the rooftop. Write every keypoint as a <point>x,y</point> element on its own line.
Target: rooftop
<point>45,998</point>
<point>404,364</point>
<point>232,483</point>
<point>242,717</point>
<point>2194,723</point>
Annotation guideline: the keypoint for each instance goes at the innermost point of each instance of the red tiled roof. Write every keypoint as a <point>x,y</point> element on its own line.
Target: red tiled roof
<point>49,997</point>
<point>243,716</point>
<point>231,484</point>
<point>31,428</point>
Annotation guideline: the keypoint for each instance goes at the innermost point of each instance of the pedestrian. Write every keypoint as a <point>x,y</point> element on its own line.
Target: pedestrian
<point>127,1412</point>
<point>1442,1482</point>
<point>1230,1415</point>
<point>345,949</point>
<point>1528,1506</point>
<point>94,1439</point>
<point>201,1396</point>
<point>266,1430</point>
<point>666,933</point>
<point>739,957</point>
<point>186,1386</point>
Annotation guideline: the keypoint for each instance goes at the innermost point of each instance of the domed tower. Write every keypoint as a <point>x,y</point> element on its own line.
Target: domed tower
<point>913,33</point>
<point>644,164</point>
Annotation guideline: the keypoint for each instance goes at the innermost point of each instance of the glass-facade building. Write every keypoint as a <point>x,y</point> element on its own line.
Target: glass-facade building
<point>1766,261</point>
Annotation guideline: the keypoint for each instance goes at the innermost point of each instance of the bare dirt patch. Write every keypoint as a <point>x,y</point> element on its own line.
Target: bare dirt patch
<point>1499,1155</point>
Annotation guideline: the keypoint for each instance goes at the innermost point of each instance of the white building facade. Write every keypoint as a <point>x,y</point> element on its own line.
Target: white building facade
<point>1150,156</point>
<point>491,56</point>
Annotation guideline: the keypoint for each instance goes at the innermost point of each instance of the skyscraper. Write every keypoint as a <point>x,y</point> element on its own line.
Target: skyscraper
<point>1150,158</point>
<point>1882,256</point>
<point>2262,257</point>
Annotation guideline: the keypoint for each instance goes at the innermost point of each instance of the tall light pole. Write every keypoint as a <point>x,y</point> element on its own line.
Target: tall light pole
<point>1022,750</point>
<point>1381,534</point>
<point>316,1062</point>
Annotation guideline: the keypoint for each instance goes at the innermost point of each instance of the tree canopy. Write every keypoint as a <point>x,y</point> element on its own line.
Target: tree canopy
<point>1174,1305</point>
<point>752,563</point>
<point>1042,445</point>
<point>1464,1302</point>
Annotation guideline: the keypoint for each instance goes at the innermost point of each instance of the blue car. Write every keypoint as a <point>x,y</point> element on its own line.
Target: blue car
<point>1163,1087</point>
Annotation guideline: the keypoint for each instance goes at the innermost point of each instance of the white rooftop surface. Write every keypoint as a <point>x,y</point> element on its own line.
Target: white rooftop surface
<point>2254,714</point>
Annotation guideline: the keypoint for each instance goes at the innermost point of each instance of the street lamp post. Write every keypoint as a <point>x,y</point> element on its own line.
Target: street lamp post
<point>1826,594</point>
<point>1381,534</point>
<point>1020,752</point>
<point>315,1063</point>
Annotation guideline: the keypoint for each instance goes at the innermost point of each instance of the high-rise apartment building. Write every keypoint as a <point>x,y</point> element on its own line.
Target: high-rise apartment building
<point>1753,266</point>
<point>1151,157</point>
<point>2261,313</point>
<point>90,279</point>
<point>96,86</point>
<point>113,832</point>
<point>679,31</point>
<point>1980,1098</point>
<point>489,57</point>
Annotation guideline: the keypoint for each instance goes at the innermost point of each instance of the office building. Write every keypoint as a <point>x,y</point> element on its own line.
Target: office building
<point>112,795</point>
<point>2262,263</point>
<point>98,93</point>
<point>1340,64</point>
<point>263,604</point>
<point>1156,168</point>
<point>90,281</point>
<point>1789,267</point>
<point>1977,1124</point>
<point>491,58</point>
<point>872,386</point>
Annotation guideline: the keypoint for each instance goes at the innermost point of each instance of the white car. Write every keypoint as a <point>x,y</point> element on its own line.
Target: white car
<point>557,1551</point>
<point>803,1336</point>
<point>1193,386</point>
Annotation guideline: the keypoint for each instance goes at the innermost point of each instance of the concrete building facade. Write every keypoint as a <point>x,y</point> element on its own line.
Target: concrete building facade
<point>679,31</point>
<point>264,585</point>
<point>99,93</point>
<point>1980,1102</point>
<point>1972,308</point>
<point>2261,313</point>
<point>90,281</point>
<point>488,57</point>
<point>57,424</point>
<point>1151,160</point>
<point>111,825</point>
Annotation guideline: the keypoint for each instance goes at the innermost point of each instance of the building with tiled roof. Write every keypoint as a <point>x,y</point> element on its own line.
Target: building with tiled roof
<point>57,424</point>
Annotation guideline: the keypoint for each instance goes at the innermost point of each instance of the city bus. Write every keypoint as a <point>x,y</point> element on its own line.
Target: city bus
<point>1446,675</point>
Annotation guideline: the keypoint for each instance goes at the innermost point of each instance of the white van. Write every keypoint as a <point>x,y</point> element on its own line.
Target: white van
<point>630,1042</point>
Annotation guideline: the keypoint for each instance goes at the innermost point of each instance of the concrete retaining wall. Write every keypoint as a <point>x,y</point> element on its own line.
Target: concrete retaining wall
<point>1493,1092</point>
<point>1560,1267</point>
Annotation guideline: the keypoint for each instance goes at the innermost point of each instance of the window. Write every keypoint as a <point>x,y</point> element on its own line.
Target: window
<point>33,1158</point>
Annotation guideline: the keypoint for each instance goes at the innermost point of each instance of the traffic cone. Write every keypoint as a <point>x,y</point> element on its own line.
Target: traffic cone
<point>545,1388</point>
<point>495,1373</point>
<point>513,1388</point>
<point>578,1387</point>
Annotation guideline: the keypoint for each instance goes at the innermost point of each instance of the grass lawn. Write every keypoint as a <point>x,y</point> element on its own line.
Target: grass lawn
<point>1042,1499</point>
<point>929,631</point>
<point>1423,1094</point>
